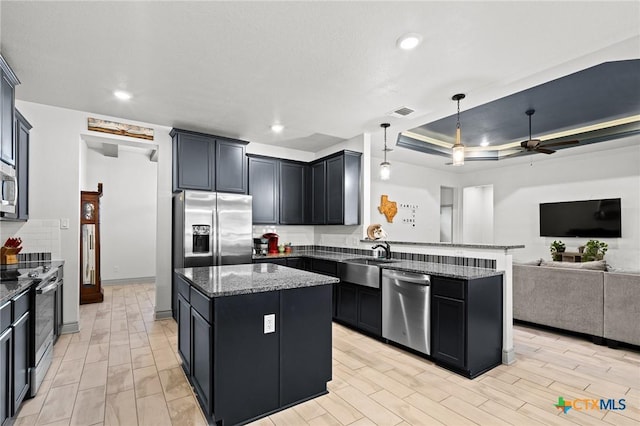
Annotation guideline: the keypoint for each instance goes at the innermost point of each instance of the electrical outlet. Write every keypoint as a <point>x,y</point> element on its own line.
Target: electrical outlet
<point>64,223</point>
<point>269,323</point>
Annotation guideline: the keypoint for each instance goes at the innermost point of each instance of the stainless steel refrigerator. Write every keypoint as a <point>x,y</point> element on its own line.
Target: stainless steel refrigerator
<point>210,229</point>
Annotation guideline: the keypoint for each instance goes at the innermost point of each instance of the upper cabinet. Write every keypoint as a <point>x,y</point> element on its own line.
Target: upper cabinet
<point>8,82</point>
<point>263,188</point>
<point>208,163</point>
<point>22,166</point>
<point>324,192</point>
<point>338,189</point>
<point>293,184</point>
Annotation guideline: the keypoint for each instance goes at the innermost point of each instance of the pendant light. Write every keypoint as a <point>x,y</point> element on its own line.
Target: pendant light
<point>385,166</point>
<point>458,148</point>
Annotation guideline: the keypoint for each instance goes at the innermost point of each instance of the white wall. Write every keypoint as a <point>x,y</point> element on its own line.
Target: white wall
<point>417,191</point>
<point>519,189</point>
<point>127,212</point>
<point>477,214</point>
<point>54,191</point>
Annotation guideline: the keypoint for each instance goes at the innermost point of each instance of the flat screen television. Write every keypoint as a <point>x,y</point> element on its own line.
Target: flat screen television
<point>587,219</point>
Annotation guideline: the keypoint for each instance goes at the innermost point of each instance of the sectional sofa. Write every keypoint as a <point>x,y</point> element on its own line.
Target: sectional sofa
<point>580,297</point>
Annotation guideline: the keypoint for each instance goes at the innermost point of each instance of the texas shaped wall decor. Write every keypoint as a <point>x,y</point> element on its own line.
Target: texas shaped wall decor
<point>388,208</point>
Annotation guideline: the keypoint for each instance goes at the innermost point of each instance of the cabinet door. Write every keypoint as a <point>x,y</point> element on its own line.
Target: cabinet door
<point>370,310</point>
<point>7,143</point>
<point>231,167</point>
<point>194,162</point>
<point>184,332</point>
<point>318,194</point>
<point>292,190</point>
<point>335,190</point>
<point>448,328</point>
<point>22,168</point>
<point>263,187</point>
<point>299,263</point>
<point>347,303</point>
<point>6,380</point>
<point>202,350</point>
<point>21,352</point>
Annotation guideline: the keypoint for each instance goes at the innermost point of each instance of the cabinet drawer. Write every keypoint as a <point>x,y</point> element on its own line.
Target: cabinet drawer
<point>5,316</point>
<point>20,305</point>
<point>202,304</point>
<point>448,287</point>
<point>183,287</point>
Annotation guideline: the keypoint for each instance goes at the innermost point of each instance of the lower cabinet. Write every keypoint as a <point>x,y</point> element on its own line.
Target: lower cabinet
<point>241,371</point>
<point>15,344</point>
<point>466,324</point>
<point>359,306</point>
<point>6,376</point>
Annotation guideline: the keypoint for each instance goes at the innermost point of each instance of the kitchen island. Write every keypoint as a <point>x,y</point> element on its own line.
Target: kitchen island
<point>254,339</point>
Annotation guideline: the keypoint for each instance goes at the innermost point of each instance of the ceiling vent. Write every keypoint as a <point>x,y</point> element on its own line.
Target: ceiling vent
<point>401,112</point>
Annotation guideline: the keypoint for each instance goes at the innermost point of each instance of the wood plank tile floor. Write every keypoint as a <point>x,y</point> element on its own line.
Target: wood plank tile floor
<point>122,369</point>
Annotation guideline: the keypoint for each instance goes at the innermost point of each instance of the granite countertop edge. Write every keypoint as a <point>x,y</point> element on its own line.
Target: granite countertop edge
<point>451,245</point>
<point>275,280</point>
<point>443,270</point>
<point>9,288</point>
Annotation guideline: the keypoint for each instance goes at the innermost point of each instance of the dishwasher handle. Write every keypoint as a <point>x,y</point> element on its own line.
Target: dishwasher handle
<point>408,277</point>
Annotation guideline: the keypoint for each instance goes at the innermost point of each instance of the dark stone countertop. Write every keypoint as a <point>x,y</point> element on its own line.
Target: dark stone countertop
<point>14,279</point>
<point>230,280</point>
<point>452,245</point>
<point>439,269</point>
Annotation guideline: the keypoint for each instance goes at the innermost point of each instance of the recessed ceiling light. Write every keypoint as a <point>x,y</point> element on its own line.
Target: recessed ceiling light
<point>409,41</point>
<point>122,95</point>
<point>277,128</point>
<point>484,143</point>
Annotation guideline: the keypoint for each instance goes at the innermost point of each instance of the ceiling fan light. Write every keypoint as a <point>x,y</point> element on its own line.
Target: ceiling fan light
<point>385,170</point>
<point>458,155</point>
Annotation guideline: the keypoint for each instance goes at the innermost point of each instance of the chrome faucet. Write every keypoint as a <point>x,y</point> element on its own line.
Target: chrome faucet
<point>386,247</point>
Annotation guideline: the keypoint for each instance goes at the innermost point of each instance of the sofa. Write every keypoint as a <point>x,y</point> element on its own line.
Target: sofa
<point>583,298</point>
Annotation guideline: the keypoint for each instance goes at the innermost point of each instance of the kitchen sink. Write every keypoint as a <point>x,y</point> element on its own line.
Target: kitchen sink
<point>362,271</point>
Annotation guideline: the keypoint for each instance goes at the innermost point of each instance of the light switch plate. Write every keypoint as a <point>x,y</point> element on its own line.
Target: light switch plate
<point>64,223</point>
<point>269,323</point>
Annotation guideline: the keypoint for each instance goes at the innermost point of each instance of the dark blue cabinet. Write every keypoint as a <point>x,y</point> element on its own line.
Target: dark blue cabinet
<point>201,360</point>
<point>6,375</point>
<point>264,190</point>
<point>208,163</point>
<point>8,82</point>
<point>335,189</point>
<point>466,324</point>
<point>293,182</point>
<point>184,333</point>
<point>21,377</point>
<point>22,166</point>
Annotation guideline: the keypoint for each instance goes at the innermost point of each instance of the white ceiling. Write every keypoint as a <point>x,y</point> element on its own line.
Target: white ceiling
<point>326,70</point>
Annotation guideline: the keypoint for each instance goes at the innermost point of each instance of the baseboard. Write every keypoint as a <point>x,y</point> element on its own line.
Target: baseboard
<point>70,327</point>
<point>508,356</point>
<point>140,280</point>
<point>160,315</point>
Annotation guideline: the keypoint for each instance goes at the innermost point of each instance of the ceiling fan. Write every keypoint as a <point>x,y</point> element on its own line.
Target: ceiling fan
<point>537,145</point>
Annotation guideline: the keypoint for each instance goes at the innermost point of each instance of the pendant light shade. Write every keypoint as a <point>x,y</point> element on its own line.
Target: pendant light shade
<point>458,147</point>
<point>385,166</point>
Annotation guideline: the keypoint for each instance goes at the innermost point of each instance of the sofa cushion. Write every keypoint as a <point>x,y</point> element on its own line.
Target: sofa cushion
<point>596,265</point>
<point>622,307</point>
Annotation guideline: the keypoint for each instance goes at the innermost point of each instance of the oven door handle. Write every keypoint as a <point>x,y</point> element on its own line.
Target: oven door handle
<point>47,289</point>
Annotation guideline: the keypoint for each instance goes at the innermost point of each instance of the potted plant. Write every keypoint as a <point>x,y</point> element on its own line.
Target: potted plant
<point>556,248</point>
<point>594,250</point>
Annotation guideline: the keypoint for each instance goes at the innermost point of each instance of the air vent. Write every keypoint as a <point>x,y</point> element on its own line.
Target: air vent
<point>401,112</point>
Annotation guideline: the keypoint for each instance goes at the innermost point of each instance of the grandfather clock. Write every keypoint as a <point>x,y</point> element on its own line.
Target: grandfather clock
<point>90,287</point>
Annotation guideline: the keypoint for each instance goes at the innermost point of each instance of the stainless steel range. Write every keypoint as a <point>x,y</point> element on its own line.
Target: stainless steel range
<point>48,282</point>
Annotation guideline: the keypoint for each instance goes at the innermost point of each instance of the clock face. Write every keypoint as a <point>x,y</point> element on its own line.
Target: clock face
<point>88,210</point>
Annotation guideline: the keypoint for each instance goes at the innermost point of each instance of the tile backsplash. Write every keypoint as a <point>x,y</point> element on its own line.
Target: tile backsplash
<point>38,235</point>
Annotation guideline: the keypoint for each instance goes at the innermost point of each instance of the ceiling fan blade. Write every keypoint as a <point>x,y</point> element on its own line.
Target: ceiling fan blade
<point>562,143</point>
<point>544,150</point>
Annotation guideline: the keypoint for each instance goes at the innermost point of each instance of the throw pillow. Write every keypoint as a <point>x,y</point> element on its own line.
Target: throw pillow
<point>596,265</point>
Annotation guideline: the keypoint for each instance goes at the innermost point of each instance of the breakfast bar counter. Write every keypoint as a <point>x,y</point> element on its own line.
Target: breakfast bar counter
<point>254,339</point>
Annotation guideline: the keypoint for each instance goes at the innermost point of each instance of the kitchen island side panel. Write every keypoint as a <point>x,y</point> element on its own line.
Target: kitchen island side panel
<point>305,342</point>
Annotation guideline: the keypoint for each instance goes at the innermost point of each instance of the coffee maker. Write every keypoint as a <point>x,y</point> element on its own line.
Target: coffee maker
<point>272,242</point>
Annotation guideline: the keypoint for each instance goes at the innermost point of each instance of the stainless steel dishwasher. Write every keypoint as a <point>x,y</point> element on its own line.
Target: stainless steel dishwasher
<point>405,309</point>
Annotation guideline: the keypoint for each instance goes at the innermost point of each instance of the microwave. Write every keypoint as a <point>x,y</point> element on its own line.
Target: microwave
<point>8,189</point>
